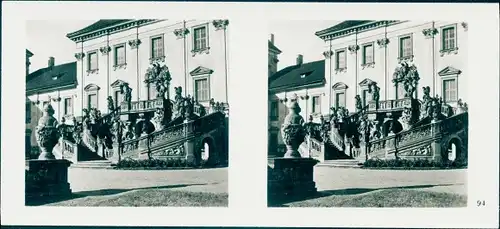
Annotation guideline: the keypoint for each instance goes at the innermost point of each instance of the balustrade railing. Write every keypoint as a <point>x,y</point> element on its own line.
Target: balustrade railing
<point>389,105</point>
<point>420,134</point>
<point>337,140</point>
<point>89,141</point>
<point>141,105</point>
<point>67,149</point>
<point>174,133</point>
<point>315,145</point>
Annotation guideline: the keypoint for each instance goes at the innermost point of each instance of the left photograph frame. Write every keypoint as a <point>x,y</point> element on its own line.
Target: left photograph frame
<point>127,112</point>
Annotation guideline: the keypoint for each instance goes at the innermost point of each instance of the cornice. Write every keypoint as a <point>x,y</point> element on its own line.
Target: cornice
<point>356,29</point>
<point>112,29</point>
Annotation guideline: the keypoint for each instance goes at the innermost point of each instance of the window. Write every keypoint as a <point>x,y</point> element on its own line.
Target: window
<point>450,90</point>
<point>341,59</point>
<point>92,64</point>
<point>364,97</point>
<point>340,99</point>
<point>151,91</point>
<point>201,89</point>
<point>368,54</point>
<point>200,38</point>
<point>449,38</point>
<point>405,47</point>
<point>120,55</point>
<point>68,106</point>
<point>157,47</point>
<point>316,104</point>
<point>28,112</point>
<point>274,110</point>
<point>92,101</point>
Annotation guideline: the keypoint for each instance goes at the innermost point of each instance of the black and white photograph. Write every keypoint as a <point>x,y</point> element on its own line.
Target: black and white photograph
<point>367,113</point>
<point>127,112</point>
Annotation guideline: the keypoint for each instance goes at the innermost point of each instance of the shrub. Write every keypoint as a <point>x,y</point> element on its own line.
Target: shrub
<point>417,163</point>
<point>152,163</point>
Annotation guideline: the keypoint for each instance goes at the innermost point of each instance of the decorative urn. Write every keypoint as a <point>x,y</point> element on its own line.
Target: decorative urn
<point>293,131</point>
<point>47,134</point>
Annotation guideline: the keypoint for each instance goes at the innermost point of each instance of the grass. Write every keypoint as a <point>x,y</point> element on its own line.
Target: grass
<point>150,197</point>
<point>385,198</point>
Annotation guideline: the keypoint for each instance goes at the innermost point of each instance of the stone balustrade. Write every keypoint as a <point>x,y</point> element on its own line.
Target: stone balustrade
<point>141,106</point>
<point>389,105</point>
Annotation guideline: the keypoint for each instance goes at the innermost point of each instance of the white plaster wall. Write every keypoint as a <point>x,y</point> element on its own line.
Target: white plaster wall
<point>138,61</point>
<point>383,70</point>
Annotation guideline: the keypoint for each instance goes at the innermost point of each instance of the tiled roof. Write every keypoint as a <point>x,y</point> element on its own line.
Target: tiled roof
<point>270,45</point>
<point>341,26</point>
<point>101,24</point>
<point>49,79</point>
<point>297,76</point>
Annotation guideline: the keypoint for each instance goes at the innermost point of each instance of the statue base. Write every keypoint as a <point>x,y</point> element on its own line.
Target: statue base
<point>291,178</point>
<point>46,178</point>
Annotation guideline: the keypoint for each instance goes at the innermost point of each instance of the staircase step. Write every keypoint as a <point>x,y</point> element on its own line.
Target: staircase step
<point>342,163</point>
<point>95,164</point>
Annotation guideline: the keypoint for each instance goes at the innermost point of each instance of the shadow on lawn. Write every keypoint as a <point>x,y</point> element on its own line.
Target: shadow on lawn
<point>100,192</point>
<point>339,192</point>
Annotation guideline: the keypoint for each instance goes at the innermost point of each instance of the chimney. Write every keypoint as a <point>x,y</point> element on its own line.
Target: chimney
<point>51,62</point>
<point>272,38</point>
<point>300,59</point>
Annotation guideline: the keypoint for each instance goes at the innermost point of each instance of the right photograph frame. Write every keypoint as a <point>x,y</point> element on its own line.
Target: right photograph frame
<point>367,113</point>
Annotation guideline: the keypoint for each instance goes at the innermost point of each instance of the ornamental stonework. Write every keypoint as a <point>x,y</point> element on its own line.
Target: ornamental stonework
<point>134,43</point>
<point>220,24</point>
<point>181,33</point>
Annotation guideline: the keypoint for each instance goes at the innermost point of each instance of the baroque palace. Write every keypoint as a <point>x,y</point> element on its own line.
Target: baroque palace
<point>138,89</point>
<point>380,84</point>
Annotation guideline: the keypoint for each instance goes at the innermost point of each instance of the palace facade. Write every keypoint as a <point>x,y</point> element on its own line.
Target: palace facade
<point>111,53</point>
<point>363,53</point>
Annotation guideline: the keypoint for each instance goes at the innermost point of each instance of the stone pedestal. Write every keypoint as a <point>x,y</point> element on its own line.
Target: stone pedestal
<point>45,178</point>
<point>291,177</point>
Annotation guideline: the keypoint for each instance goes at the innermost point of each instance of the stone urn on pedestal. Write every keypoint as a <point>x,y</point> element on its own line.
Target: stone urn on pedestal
<point>47,176</point>
<point>292,175</point>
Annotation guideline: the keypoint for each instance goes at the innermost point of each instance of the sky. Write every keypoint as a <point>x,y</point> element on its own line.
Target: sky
<point>297,37</point>
<point>48,38</point>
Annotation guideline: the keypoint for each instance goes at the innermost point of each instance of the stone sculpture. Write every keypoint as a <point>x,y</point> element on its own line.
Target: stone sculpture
<point>375,90</point>
<point>293,131</point>
<point>111,105</point>
<point>408,76</point>
<point>359,104</point>
<point>47,134</point>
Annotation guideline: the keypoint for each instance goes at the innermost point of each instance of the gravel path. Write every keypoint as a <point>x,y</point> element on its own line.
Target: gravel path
<point>196,180</point>
<point>450,181</point>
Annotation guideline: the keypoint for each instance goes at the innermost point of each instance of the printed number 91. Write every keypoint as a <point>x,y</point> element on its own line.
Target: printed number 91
<point>481,203</point>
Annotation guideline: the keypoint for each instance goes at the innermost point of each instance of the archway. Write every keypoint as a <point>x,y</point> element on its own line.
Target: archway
<point>395,125</point>
<point>207,151</point>
<point>453,150</point>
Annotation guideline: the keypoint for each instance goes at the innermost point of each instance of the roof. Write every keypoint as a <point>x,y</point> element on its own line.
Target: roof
<point>61,76</point>
<point>101,24</point>
<point>271,46</point>
<point>342,25</point>
<point>29,53</point>
<point>107,26</point>
<point>345,28</point>
<point>298,76</point>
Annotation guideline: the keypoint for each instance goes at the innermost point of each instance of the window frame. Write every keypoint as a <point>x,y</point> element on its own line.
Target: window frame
<point>313,103</point>
<point>455,34</point>
<point>443,89</point>
<point>337,67</point>
<point>339,88</point>
<point>91,89</point>
<point>88,95</point>
<point>65,111</point>
<point>115,52</point>
<point>151,46</point>
<point>363,50</point>
<point>200,78</point>
<point>89,65</point>
<point>400,46</point>
<point>151,86</point>
<point>207,44</point>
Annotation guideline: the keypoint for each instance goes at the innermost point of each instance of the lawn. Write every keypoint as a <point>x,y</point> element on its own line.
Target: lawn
<point>148,197</point>
<point>382,198</point>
